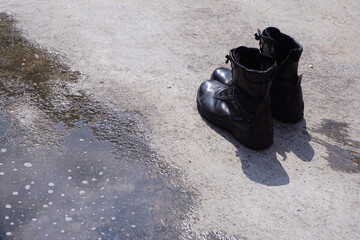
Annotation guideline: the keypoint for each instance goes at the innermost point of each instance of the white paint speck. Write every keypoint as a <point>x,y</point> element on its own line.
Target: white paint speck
<point>36,55</point>
<point>93,179</point>
<point>15,169</point>
<point>81,140</point>
<point>7,217</point>
<point>133,226</point>
<point>101,173</point>
<point>15,193</point>
<point>7,206</point>
<point>45,206</point>
<point>27,164</point>
<point>113,218</point>
<point>27,187</point>
<point>62,231</point>
<point>50,191</point>
<point>8,233</point>
<point>69,170</point>
<point>62,194</point>
<point>93,228</point>
<point>3,150</point>
<point>2,173</point>
<point>68,219</point>
<point>85,182</point>
<point>34,219</point>
<point>51,184</point>
<point>1,163</point>
<point>82,192</point>
<point>69,177</point>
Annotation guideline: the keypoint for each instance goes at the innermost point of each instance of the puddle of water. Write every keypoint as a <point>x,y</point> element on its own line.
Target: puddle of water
<point>83,190</point>
<point>344,155</point>
<point>70,167</point>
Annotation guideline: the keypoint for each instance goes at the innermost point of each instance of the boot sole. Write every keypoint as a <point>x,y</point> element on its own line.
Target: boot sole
<point>256,140</point>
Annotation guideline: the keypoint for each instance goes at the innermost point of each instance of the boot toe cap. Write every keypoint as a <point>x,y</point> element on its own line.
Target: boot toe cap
<point>222,75</point>
<point>206,98</point>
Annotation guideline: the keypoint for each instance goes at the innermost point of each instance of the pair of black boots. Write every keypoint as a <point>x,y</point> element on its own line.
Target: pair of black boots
<point>261,85</point>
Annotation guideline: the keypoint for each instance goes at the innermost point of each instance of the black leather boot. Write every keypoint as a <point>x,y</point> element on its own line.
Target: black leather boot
<point>287,103</point>
<point>244,107</point>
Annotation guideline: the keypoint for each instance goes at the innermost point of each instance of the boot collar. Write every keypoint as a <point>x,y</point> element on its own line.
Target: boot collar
<point>269,45</point>
<point>240,58</point>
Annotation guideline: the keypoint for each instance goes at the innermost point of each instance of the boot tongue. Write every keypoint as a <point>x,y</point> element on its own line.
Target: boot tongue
<point>268,45</point>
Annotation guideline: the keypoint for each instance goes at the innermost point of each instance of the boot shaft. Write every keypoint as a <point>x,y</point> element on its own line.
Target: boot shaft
<point>252,71</point>
<point>285,50</point>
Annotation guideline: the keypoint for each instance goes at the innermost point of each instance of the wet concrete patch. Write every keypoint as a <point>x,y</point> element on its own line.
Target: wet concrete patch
<point>343,152</point>
<point>71,167</point>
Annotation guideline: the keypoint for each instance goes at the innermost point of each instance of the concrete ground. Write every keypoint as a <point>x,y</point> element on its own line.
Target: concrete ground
<point>151,56</point>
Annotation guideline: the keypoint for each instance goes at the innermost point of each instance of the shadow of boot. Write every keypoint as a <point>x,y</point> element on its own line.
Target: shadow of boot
<point>293,138</point>
<point>259,166</point>
<point>263,167</point>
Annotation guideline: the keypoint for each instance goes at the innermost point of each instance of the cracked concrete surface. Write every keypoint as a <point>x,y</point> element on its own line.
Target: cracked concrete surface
<point>150,57</point>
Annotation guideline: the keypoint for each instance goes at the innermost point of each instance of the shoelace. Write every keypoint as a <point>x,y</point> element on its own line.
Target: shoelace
<point>228,93</point>
<point>257,37</point>
<point>227,58</point>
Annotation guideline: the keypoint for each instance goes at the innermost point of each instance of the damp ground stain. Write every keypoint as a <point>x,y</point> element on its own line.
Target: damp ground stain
<point>343,152</point>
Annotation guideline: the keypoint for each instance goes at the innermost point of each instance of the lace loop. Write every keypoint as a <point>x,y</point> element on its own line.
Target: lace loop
<point>227,58</point>
<point>258,38</point>
<point>228,93</point>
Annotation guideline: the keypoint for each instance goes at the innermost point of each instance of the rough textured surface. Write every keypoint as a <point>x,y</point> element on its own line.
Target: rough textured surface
<point>150,57</point>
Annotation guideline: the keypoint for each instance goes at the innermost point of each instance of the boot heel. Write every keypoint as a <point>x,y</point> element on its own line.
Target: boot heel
<point>261,131</point>
<point>291,110</point>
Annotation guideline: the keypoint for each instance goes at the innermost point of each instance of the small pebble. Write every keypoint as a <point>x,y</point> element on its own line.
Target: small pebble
<point>27,164</point>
